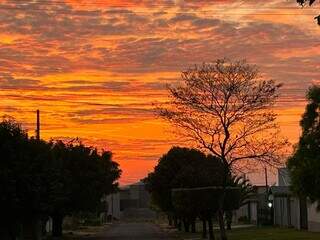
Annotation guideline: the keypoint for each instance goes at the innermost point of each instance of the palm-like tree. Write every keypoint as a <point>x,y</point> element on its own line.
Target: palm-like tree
<point>246,189</point>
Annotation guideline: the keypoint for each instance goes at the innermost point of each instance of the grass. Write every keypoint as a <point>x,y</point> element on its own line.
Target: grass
<point>259,234</point>
<point>272,234</point>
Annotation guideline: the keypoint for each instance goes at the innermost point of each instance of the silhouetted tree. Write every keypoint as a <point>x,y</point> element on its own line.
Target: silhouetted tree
<point>187,168</point>
<point>22,174</point>
<point>246,189</point>
<point>304,165</point>
<point>162,179</point>
<point>310,3</point>
<point>204,172</point>
<point>38,179</point>
<point>304,2</point>
<point>204,202</point>
<point>81,177</point>
<point>12,140</point>
<point>226,109</point>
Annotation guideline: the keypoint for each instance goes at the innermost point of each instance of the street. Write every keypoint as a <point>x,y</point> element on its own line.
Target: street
<point>131,231</point>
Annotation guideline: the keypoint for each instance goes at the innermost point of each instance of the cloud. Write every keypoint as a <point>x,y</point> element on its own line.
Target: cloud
<point>94,68</point>
<point>7,81</point>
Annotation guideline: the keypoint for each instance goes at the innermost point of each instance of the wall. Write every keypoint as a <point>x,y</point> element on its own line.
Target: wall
<point>295,212</point>
<point>280,205</point>
<point>313,218</point>
<point>113,201</point>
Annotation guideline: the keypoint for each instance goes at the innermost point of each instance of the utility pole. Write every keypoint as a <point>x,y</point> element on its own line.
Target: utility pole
<point>266,177</point>
<point>38,126</point>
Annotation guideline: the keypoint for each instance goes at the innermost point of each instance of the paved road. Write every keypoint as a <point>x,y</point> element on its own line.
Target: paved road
<point>133,231</point>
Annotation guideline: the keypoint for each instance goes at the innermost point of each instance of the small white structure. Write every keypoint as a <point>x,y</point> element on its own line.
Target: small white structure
<point>132,201</point>
<point>248,211</point>
<point>290,210</point>
<point>313,218</point>
<point>113,202</point>
<point>287,208</point>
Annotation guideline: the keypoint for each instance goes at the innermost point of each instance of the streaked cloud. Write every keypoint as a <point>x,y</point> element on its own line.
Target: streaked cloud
<point>95,68</point>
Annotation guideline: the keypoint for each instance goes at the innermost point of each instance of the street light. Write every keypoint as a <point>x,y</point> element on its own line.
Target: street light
<point>270,201</point>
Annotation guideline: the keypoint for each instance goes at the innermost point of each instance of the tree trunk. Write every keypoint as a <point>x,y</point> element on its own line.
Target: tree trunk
<point>179,224</point>
<point>15,230</point>
<point>57,225</point>
<point>193,226</point>
<point>226,171</point>
<point>13,233</point>
<point>170,220</point>
<point>229,215</point>
<point>37,228</point>
<point>204,229</point>
<point>211,234</point>
<point>175,221</point>
<point>186,225</point>
<point>228,225</point>
<point>223,235</point>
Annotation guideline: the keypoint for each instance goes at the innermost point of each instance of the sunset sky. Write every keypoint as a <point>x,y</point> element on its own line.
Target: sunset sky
<point>95,68</point>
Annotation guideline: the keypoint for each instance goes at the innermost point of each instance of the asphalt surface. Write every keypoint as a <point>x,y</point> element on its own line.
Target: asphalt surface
<point>132,231</point>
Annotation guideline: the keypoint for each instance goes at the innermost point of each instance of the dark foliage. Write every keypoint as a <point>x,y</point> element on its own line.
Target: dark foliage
<point>225,107</point>
<point>81,176</point>
<point>310,3</point>
<point>304,165</point>
<point>40,179</point>
<point>304,2</point>
<point>180,167</point>
<point>187,184</point>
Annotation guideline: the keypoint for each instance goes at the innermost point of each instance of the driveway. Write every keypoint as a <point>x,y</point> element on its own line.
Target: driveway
<point>132,231</point>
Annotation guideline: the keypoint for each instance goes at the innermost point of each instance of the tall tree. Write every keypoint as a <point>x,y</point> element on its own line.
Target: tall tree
<point>23,193</point>
<point>13,142</point>
<point>304,165</point>
<point>226,109</point>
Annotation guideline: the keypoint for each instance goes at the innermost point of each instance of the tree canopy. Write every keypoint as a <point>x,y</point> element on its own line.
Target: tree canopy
<point>82,176</point>
<point>187,184</point>
<point>304,165</point>
<point>310,3</point>
<point>304,2</point>
<point>225,108</point>
<point>180,168</point>
<point>40,179</point>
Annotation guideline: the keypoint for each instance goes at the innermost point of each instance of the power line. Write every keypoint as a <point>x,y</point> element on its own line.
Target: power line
<point>211,12</point>
<point>149,4</point>
<point>40,6</point>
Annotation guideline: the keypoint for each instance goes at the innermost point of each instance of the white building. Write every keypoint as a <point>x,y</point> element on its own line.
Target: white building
<point>132,201</point>
<point>313,218</point>
<point>113,202</point>
<point>290,210</point>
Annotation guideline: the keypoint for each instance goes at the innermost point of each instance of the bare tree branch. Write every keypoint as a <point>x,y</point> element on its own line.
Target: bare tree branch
<point>226,108</point>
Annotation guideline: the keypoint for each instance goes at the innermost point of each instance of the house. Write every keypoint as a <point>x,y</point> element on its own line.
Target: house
<point>255,209</point>
<point>112,207</point>
<point>132,201</point>
<point>290,210</point>
<point>313,218</point>
<point>287,209</point>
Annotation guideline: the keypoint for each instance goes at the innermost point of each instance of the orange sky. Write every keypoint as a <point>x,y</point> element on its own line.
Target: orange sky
<point>94,68</point>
